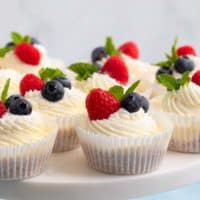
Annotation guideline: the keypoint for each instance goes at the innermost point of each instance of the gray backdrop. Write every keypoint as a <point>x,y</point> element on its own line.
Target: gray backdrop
<point>71,28</point>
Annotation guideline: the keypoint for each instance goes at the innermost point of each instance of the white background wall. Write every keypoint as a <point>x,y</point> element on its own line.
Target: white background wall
<point>71,28</point>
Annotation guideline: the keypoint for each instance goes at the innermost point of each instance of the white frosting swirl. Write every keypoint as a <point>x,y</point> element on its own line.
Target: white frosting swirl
<point>22,129</point>
<point>11,61</point>
<point>97,80</point>
<point>123,123</point>
<point>186,100</point>
<point>15,78</point>
<point>137,69</point>
<point>71,104</point>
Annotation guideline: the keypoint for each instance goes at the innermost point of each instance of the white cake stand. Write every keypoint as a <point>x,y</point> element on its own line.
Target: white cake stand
<point>68,177</point>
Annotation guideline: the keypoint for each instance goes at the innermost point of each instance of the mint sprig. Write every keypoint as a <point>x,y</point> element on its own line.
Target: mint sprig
<point>118,91</point>
<point>170,58</point>
<point>47,73</point>
<point>16,38</point>
<point>110,47</point>
<point>83,70</point>
<point>172,83</point>
<point>4,93</point>
<point>4,51</point>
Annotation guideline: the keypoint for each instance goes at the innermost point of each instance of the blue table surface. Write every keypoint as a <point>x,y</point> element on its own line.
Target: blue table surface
<point>191,192</point>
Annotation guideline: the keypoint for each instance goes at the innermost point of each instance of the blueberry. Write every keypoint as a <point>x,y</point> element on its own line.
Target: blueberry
<point>98,53</point>
<point>34,41</point>
<point>12,98</point>
<point>64,81</point>
<point>53,91</point>
<point>131,102</point>
<point>10,45</point>
<point>164,70</point>
<point>20,107</point>
<point>183,64</point>
<point>144,104</point>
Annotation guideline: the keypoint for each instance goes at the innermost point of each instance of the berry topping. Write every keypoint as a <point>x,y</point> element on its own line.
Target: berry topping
<point>53,91</point>
<point>27,53</point>
<point>30,82</point>
<point>12,98</point>
<point>131,102</point>
<point>196,77</point>
<point>20,107</point>
<point>34,41</point>
<point>130,48</point>
<point>116,68</point>
<point>64,81</point>
<point>144,104</point>
<point>186,50</point>
<point>183,64</point>
<point>98,53</point>
<point>164,70</point>
<point>3,109</point>
<point>101,104</point>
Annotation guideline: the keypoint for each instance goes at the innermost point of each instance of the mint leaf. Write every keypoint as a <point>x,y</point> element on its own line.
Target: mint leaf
<point>47,74</point>
<point>185,78</point>
<point>4,93</point>
<point>174,49</point>
<point>170,58</point>
<point>4,51</point>
<point>117,91</point>
<point>168,81</point>
<point>166,64</point>
<point>132,87</point>
<point>83,70</point>
<point>16,38</point>
<point>27,39</point>
<point>110,47</point>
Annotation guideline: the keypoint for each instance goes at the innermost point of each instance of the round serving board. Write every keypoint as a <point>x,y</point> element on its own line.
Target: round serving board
<point>68,177</point>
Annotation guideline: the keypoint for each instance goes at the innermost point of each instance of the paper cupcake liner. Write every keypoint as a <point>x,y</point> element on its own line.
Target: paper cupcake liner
<point>20,162</point>
<point>125,156</point>
<point>67,138</point>
<point>186,134</point>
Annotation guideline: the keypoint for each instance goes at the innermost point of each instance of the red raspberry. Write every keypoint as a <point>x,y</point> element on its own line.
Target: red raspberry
<point>27,53</point>
<point>116,68</point>
<point>130,48</point>
<point>196,77</point>
<point>100,104</point>
<point>186,50</point>
<point>3,109</point>
<point>30,82</point>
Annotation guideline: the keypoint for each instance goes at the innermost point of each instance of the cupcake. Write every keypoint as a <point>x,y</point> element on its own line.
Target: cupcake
<point>26,138</point>
<point>180,60</point>
<point>25,54</point>
<point>181,103</point>
<point>14,76</point>
<point>113,71</point>
<point>119,135</point>
<point>53,95</point>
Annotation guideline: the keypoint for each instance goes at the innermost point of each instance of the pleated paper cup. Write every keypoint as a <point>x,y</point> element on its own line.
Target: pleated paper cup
<point>186,133</point>
<point>67,138</point>
<point>23,161</point>
<point>123,155</point>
